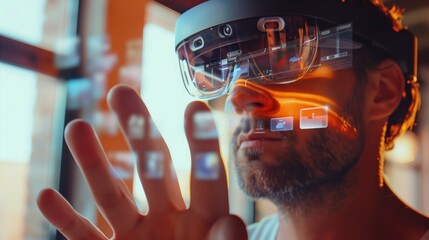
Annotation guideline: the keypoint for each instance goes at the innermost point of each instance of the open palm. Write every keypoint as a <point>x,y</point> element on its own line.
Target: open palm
<point>208,215</point>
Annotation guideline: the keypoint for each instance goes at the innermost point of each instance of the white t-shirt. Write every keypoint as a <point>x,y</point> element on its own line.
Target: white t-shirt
<point>266,229</point>
<point>426,236</point>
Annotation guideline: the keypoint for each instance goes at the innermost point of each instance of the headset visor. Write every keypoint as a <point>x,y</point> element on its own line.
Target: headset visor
<point>266,50</point>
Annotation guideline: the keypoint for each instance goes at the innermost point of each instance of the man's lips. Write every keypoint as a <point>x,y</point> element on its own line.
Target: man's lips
<point>257,139</point>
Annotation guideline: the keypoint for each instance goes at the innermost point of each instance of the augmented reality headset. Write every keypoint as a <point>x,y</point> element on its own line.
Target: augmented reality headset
<point>277,42</point>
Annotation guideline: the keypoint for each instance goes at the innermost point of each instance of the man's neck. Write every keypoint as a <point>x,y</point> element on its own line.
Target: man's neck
<point>350,209</point>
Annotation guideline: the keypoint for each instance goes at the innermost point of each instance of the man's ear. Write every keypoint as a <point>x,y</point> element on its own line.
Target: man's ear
<point>386,89</point>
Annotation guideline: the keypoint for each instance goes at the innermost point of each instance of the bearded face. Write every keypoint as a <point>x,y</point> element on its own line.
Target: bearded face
<point>287,167</point>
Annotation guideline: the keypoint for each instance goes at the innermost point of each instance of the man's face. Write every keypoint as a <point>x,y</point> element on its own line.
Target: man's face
<point>290,141</point>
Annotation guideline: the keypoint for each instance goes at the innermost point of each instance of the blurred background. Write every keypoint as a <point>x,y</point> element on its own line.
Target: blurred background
<point>59,58</point>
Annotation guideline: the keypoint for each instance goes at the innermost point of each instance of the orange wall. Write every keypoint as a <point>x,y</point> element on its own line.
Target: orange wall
<point>124,25</point>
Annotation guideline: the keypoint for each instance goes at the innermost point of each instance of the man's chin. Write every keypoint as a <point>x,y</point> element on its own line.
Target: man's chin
<point>259,187</point>
<point>291,185</point>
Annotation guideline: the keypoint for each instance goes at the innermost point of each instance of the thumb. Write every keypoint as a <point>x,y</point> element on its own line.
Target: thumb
<point>229,227</point>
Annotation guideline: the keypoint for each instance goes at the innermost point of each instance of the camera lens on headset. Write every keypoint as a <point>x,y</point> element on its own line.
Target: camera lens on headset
<point>225,31</point>
<point>197,43</point>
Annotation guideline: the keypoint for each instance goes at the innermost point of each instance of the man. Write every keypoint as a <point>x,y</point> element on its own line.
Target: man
<point>315,93</point>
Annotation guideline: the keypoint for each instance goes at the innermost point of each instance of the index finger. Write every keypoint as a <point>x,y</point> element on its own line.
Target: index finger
<point>154,159</point>
<point>209,191</point>
<point>113,202</point>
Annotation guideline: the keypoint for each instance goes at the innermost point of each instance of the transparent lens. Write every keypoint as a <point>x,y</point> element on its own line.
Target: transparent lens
<point>291,52</point>
<point>271,54</point>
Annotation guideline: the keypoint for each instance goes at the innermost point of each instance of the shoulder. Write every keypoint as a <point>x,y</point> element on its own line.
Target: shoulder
<point>407,222</point>
<point>426,235</point>
<point>265,229</point>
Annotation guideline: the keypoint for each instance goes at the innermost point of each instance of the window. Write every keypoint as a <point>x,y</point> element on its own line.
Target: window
<point>161,87</point>
<point>31,125</point>
<point>46,24</point>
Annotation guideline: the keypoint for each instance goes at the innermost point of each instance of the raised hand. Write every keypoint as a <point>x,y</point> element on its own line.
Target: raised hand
<point>208,215</point>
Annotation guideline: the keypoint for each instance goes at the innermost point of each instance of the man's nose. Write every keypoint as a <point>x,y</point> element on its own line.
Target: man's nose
<point>252,98</point>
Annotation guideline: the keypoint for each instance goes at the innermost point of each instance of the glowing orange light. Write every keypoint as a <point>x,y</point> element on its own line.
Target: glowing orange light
<point>320,72</point>
<point>290,103</point>
<point>405,149</point>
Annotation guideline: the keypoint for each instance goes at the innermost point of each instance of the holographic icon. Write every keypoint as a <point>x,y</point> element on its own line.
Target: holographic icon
<point>339,41</point>
<point>207,166</point>
<point>135,127</point>
<point>259,126</point>
<point>312,118</point>
<point>204,126</point>
<point>295,59</point>
<point>122,163</point>
<point>154,165</point>
<point>282,124</point>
